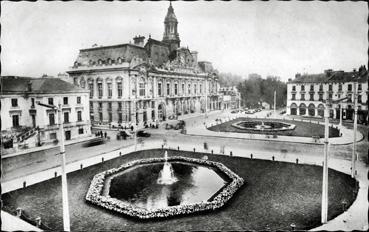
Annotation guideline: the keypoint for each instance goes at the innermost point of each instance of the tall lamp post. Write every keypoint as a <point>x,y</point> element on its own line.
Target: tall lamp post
<point>66,220</point>
<point>275,102</point>
<point>354,155</point>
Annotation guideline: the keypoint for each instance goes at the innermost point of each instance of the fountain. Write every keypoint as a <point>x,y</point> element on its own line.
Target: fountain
<point>166,175</point>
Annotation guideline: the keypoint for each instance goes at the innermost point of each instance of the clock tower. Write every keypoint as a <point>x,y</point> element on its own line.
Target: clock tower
<point>171,35</point>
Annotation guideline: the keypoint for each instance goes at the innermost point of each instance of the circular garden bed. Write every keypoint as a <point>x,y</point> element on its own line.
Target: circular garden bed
<point>274,127</point>
<point>275,195</point>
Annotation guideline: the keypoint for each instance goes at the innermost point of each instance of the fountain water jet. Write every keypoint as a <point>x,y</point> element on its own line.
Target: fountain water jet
<point>166,175</point>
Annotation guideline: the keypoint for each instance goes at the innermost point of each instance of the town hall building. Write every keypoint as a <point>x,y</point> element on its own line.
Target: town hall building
<point>146,82</point>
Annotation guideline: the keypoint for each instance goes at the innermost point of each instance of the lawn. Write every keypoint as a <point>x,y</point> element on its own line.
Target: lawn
<point>275,195</point>
<point>303,129</point>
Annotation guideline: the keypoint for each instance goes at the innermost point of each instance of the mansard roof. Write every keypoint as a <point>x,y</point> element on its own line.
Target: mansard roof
<point>331,76</point>
<point>44,85</point>
<point>123,51</point>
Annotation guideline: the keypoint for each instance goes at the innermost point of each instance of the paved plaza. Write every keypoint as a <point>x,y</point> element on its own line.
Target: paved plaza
<point>34,170</point>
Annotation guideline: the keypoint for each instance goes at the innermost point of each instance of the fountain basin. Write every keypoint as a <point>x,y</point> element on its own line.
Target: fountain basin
<point>264,126</point>
<point>193,192</point>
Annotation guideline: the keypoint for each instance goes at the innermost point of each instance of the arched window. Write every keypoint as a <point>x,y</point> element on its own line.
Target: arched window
<point>109,87</point>
<point>83,82</point>
<point>321,110</point>
<point>119,81</point>
<point>293,108</point>
<point>311,109</point>
<point>302,109</point>
<point>99,62</point>
<point>99,87</point>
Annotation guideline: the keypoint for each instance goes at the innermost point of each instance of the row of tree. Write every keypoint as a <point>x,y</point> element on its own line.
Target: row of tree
<point>254,89</point>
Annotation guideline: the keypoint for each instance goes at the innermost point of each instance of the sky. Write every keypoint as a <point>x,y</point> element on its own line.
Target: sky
<point>269,38</point>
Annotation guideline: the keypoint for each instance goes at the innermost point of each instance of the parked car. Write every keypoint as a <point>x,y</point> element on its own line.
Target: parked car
<point>94,142</point>
<point>143,133</point>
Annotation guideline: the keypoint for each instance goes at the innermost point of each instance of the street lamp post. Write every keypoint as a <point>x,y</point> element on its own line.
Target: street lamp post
<point>275,96</point>
<point>353,158</point>
<point>324,213</point>
<point>66,218</point>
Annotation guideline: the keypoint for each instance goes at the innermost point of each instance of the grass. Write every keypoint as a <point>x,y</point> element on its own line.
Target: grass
<point>303,129</point>
<point>276,194</point>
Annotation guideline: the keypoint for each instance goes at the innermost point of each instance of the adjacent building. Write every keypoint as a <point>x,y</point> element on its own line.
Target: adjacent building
<point>23,119</point>
<point>230,97</point>
<point>306,93</point>
<point>146,81</point>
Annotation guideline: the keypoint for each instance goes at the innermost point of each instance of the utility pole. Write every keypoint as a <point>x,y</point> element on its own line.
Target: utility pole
<point>66,221</point>
<point>341,114</point>
<point>275,96</point>
<point>324,213</point>
<point>66,217</point>
<point>353,158</point>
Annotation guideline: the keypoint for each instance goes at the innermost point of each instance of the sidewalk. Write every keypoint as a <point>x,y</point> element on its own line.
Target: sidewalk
<point>198,129</point>
<point>46,147</point>
<point>13,223</point>
<point>355,218</point>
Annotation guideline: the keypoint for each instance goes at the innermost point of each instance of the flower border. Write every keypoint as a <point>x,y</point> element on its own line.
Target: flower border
<point>288,127</point>
<point>94,192</point>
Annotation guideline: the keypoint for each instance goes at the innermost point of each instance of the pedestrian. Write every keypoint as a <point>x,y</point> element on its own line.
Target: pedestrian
<point>105,134</point>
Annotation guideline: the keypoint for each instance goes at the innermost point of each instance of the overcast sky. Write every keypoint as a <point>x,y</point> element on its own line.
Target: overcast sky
<point>268,38</point>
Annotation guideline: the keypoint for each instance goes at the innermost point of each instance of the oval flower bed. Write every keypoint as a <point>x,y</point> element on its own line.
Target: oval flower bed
<point>272,126</point>
<point>94,194</point>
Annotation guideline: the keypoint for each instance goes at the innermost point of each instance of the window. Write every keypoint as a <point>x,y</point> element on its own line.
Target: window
<point>176,89</point>
<point>83,84</point>
<point>100,116</point>
<point>91,87</point>
<point>194,87</point>
<point>110,91</point>
<point>80,130</point>
<point>50,100</point>
<point>14,102</point>
<point>200,89</point>
<point>320,87</point>
<point>311,97</point>
<point>120,117</point>
<point>159,89</point>
<point>349,87</point>
<point>32,103</point>
<point>120,90</point>
<point>302,97</point>
<point>109,106</point>
<point>330,96</point>
<point>52,136</point>
<point>119,106</point>
<point>141,88</point>
<point>359,99</point>
<point>340,87</point>
<point>359,87</point>
<point>293,88</point>
<point>110,116</point>
<point>99,87</point>
<point>65,100</point>
<point>168,89</point>
<point>349,98</point>
<point>330,87</point>
<point>66,117</point>
<point>183,88</point>
<point>302,87</point>
<point>189,88</point>
<point>311,87</point>
<point>79,116</point>
<point>15,119</point>
<point>293,96</point>
<point>51,119</point>
<point>320,97</point>
<point>78,100</point>
<point>91,106</point>
<point>100,105</point>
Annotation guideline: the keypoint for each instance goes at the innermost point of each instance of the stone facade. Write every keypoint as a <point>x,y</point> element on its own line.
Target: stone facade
<point>306,93</point>
<point>231,97</point>
<point>20,112</point>
<point>136,83</point>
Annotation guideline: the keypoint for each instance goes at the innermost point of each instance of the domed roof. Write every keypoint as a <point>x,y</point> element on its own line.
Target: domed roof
<point>171,17</point>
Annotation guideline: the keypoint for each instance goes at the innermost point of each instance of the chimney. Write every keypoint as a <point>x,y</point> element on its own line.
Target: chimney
<point>29,86</point>
<point>328,72</point>
<point>139,40</point>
